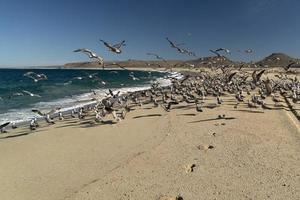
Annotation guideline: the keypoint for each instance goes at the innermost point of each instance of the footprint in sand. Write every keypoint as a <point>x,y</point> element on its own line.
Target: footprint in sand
<point>205,147</point>
<point>190,168</point>
<point>170,198</point>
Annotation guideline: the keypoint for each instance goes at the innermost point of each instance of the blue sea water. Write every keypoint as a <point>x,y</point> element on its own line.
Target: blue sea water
<point>63,88</point>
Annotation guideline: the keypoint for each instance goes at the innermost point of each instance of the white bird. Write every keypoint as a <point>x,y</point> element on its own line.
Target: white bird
<point>2,127</point>
<point>117,64</point>
<point>35,77</point>
<point>116,48</point>
<point>91,55</point>
<point>248,51</point>
<point>133,77</point>
<point>180,50</point>
<point>157,56</point>
<point>30,94</point>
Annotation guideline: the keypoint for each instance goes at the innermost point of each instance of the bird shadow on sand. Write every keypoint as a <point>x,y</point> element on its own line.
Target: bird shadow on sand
<point>94,124</point>
<point>213,119</point>
<point>187,114</point>
<point>248,111</point>
<point>187,107</point>
<point>24,133</point>
<point>151,115</point>
<point>147,108</point>
<point>88,124</point>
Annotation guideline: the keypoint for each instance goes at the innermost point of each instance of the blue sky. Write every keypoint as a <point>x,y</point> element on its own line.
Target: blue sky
<point>45,32</point>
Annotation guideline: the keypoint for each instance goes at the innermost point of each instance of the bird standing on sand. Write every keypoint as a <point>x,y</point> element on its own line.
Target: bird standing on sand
<point>32,124</point>
<point>116,48</point>
<point>91,55</point>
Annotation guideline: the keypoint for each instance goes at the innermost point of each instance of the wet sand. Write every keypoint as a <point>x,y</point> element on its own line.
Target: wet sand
<point>152,154</point>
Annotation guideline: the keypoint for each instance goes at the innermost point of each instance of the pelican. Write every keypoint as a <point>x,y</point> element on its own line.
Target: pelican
<point>116,48</point>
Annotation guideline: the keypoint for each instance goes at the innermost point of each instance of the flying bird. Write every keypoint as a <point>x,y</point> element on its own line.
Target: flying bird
<point>223,49</point>
<point>2,127</point>
<point>35,77</point>
<point>180,50</point>
<point>31,94</point>
<point>158,57</point>
<point>116,48</point>
<point>248,51</point>
<point>256,76</point>
<point>117,64</point>
<point>91,55</point>
<point>287,67</point>
<point>215,52</point>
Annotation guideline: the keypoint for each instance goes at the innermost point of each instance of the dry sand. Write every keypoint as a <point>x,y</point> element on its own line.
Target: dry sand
<point>154,154</point>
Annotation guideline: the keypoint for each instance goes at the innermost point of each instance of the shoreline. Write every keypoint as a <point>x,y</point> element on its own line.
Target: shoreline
<point>93,101</point>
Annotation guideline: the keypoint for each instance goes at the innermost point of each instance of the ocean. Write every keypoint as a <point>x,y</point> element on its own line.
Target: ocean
<point>65,88</point>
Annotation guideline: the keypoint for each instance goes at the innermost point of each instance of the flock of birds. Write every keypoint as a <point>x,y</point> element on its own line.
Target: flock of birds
<point>194,89</point>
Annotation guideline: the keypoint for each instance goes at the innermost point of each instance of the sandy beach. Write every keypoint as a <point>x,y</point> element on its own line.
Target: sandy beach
<point>149,100</point>
<point>154,154</point>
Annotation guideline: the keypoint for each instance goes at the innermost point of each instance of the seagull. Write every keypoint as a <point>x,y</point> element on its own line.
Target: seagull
<point>287,67</point>
<point>218,50</point>
<point>168,106</point>
<point>35,77</point>
<point>248,51</point>
<point>223,49</point>
<point>111,93</point>
<point>33,124</point>
<point>215,52</point>
<point>230,77</point>
<point>116,48</point>
<point>91,55</point>
<point>153,64</point>
<point>30,94</point>
<point>13,125</point>
<point>256,76</point>
<point>133,77</point>
<point>17,94</point>
<point>180,50</point>
<point>117,64</point>
<point>2,127</point>
<point>156,56</point>
<point>46,115</point>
